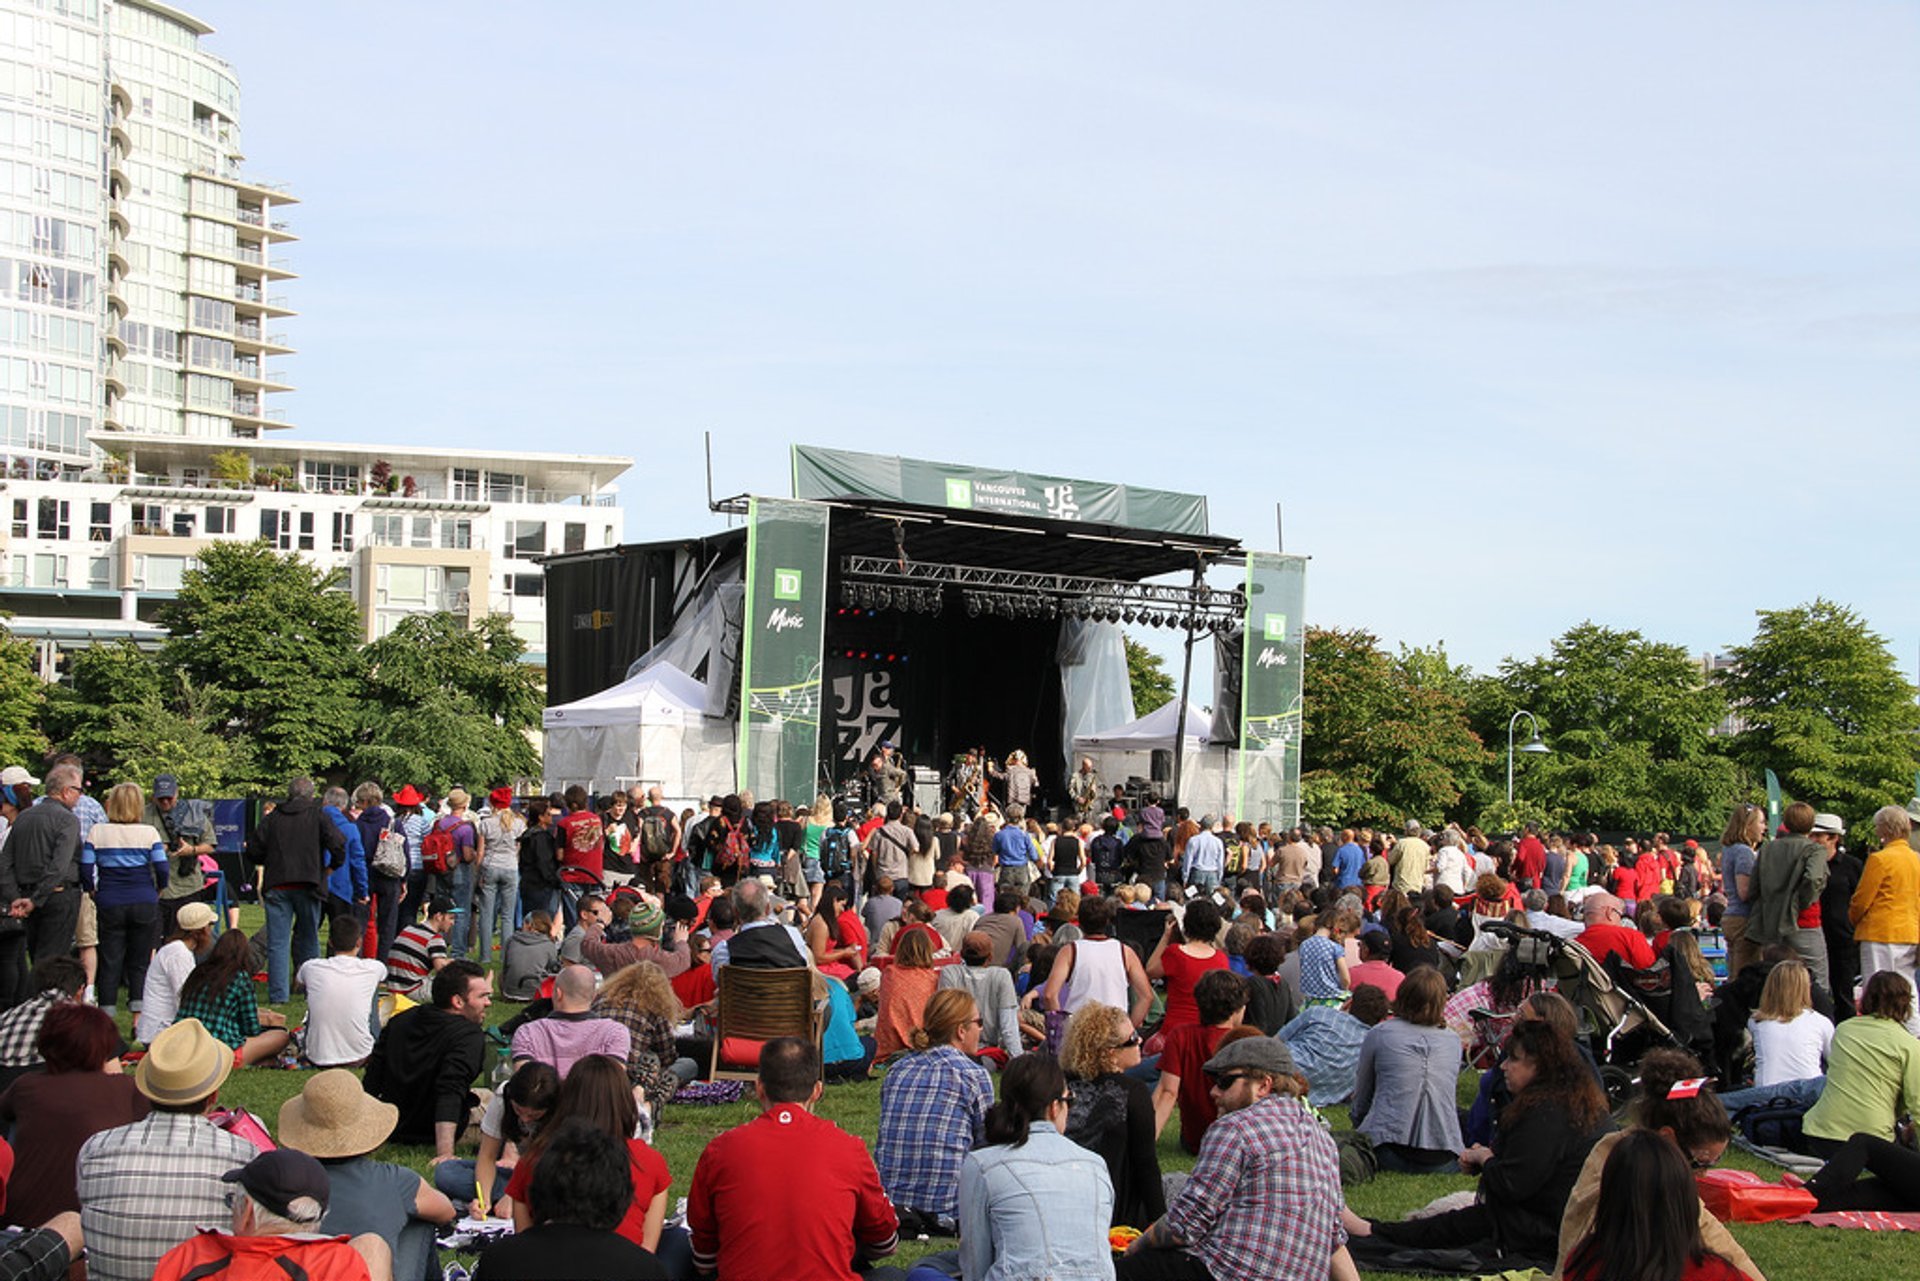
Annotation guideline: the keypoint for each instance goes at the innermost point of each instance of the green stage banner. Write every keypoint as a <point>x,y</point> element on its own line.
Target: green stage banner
<point>780,648</point>
<point>1268,778</point>
<point>839,473</point>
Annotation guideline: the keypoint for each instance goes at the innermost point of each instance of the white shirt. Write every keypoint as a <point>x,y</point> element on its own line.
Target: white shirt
<point>340,998</point>
<point>160,999</point>
<point>1789,1051</point>
<point>1450,869</point>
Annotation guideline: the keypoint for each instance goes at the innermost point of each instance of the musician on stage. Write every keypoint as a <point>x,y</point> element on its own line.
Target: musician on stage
<point>884,779</point>
<point>1085,789</point>
<point>967,786</point>
<point>1019,778</point>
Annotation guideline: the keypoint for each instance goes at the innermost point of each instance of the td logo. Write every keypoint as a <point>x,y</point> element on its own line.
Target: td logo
<point>959,492</point>
<point>1274,627</point>
<point>786,584</point>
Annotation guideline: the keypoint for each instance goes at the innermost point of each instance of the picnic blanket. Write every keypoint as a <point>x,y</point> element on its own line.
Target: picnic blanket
<point>1871,1220</point>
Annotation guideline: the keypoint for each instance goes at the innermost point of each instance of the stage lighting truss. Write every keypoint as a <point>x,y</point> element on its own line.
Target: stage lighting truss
<point>869,582</point>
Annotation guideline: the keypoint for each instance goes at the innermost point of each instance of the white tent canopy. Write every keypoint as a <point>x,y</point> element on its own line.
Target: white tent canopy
<point>648,729</point>
<point>1154,730</point>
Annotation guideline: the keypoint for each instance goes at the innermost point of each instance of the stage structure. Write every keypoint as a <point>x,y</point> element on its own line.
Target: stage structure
<point>940,608</point>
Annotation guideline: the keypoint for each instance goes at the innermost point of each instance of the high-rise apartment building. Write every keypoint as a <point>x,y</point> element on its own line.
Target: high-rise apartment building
<point>139,279</point>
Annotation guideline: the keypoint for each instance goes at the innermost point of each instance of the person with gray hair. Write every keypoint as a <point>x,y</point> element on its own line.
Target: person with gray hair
<point>1410,859</point>
<point>277,1207</point>
<point>756,942</point>
<point>298,846</point>
<point>348,890</point>
<point>1204,860</point>
<point>1452,868</point>
<point>40,866</point>
<point>1885,910</point>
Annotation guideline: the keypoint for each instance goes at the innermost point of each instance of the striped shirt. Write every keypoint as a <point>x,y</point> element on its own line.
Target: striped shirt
<point>146,1187</point>
<point>123,863</point>
<point>410,959</point>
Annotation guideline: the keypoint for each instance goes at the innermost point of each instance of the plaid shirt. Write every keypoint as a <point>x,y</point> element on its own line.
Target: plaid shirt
<point>39,1254</point>
<point>231,1015</point>
<point>146,1187</point>
<point>20,1029</point>
<point>1264,1196</point>
<point>933,1107</point>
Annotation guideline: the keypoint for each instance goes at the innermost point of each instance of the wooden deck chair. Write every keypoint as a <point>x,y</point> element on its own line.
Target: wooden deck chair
<point>755,1006</point>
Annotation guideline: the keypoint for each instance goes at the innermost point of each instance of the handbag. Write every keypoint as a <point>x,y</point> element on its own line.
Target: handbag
<point>1741,1196</point>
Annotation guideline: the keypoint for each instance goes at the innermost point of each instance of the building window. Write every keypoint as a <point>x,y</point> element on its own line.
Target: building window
<point>277,528</point>
<point>20,527</point>
<point>331,478</point>
<point>576,536</point>
<point>466,484</point>
<point>100,523</point>
<point>100,573</point>
<point>49,570</point>
<point>389,531</point>
<point>306,531</point>
<point>183,524</point>
<point>529,585</point>
<point>422,532</point>
<point>529,537</point>
<point>149,518</point>
<point>506,487</point>
<point>221,520</point>
<point>456,531</point>
<point>343,531</point>
<point>160,573</point>
<point>53,519</point>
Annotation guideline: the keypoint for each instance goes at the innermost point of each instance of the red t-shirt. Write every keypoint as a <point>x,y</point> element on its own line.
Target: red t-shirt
<point>1185,1056</point>
<point>747,1218</point>
<point>1711,1268</point>
<point>934,897</point>
<point>694,985</point>
<point>583,846</point>
<point>650,1179</point>
<point>1182,973</point>
<point>1530,858</point>
<point>1617,940</point>
<point>1648,872</point>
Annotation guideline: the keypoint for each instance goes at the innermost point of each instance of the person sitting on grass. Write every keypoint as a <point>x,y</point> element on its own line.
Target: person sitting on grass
<point>277,1208</point>
<point>1111,1113</point>
<point>1558,1112</point>
<point>742,1209</point>
<point>1407,1081</point>
<point>56,981</point>
<point>572,1031</point>
<point>340,1125</point>
<point>50,1114</point>
<point>425,1059</point>
<point>1221,998</point>
<point>531,955</point>
<point>905,987</point>
<point>583,1188</point>
<point>220,994</point>
<point>933,1106</point>
<point>514,1114</point>
<point>992,990</point>
<point>1647,1222</point>
<point>342,994</point>
<point>1325,1042</point>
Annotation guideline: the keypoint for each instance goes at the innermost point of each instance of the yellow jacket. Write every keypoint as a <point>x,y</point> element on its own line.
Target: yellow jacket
<point>1886,904</point>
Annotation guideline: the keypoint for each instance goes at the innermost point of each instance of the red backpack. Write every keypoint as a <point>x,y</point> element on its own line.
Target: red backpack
<point>438,852</point>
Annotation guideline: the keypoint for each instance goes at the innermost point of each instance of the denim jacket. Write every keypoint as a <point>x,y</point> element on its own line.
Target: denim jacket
<point>1038,1210</point>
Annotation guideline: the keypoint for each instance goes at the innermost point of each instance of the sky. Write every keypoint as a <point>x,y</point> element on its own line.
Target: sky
<point>1522,314</point>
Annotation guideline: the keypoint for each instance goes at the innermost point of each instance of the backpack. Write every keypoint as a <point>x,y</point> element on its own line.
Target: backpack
<point>1773,1124</point>
<point>656,837</point>
<point>437,851</point>
<point>1358,1162</point>
<point>738,849</point>
<point>836,852</point>
<point>389,855</point>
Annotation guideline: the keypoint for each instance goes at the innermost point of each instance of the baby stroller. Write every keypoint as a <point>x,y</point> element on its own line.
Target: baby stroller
<point>1618,1023</point>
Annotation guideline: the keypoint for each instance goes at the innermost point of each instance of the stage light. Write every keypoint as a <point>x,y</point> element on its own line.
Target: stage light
<point>973,605</point>
<point>883,598</point>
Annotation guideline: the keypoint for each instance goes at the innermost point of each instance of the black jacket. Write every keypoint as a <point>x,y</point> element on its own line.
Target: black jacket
<point>1536,1162</point>
<point>41,854</point>
<point>297,844</point>
<point>424,1063</point>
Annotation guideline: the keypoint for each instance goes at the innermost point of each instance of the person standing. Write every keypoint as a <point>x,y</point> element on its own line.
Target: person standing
<point>1409,860</point>
<point>297,845</point>
<point>375,821</point>
<point>500,830</point>
<point>347,885</point>
<point>457,881</point>
<point>1885,909</point>
<point>1746,826</point>
<point>123,864</point>
<point>1204,860</point>
<point>40,866</point>
<point>1836,921</point>
<point>1789,873</point>
<point>187,829</point>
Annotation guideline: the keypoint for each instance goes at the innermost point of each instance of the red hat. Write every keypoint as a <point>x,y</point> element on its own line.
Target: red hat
<point>502,798</point>
<point>408,795</point>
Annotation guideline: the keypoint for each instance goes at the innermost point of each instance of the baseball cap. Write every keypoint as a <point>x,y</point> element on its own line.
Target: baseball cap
<point>440,903</point>
<point>195,916</point>
<point>1253,1054</point>
<point>1829,823</point>
<point>14,776</point>
<point>165,786</point>
<point>276,1179</point>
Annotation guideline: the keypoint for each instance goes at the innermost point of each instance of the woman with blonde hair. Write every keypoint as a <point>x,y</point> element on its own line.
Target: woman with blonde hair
<point>640,998</point>
<point>1111,1113</point>
<point>933,1109</point>
<point>905,987</point>
<point>123,864</point>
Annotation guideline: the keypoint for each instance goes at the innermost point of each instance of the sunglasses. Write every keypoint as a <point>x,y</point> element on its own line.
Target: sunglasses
<point>1701,1163</point>
<point>1128,1043</point>
<point>1225,1080</point>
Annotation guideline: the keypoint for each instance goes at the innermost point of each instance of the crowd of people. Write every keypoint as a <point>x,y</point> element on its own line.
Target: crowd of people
<point>1037,999</point>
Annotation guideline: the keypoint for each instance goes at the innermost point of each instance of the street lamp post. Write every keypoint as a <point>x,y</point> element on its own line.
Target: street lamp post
<point>1532,745</point>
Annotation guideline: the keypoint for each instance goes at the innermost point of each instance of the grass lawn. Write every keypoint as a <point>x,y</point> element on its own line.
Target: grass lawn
<point>1784,1252</point>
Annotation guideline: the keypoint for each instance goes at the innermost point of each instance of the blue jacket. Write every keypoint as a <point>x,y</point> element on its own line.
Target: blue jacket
<point>349,880</point>
<point>1038,1210</point>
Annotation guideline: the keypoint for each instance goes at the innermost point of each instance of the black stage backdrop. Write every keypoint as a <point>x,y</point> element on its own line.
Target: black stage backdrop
<point>937,685</point>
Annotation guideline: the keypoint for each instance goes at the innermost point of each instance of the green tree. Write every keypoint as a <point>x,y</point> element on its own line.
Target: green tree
<point>22,695</point>
<point>1153,686</point>
<point>182,735</point>
<point>1385,737</point>
<point>277,648</point>
<point>1630,722</point>
<point>1824,705</point>
<point>101,679</point>
<point>448,704</point>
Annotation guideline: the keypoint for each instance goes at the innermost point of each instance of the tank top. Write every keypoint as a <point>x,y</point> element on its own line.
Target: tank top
<point>1099,974</point>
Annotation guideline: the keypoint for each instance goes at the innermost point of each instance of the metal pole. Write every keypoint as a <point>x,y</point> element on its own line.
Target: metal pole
<point>1186,679</point>
<point>1511,722</point>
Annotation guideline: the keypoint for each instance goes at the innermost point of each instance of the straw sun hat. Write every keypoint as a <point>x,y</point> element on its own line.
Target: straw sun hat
<point>334,1117</point>
<point>183,1065</point>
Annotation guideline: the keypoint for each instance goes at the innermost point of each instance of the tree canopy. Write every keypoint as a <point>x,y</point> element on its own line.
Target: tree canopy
<point>1152,684</point>
<point>447,704</point>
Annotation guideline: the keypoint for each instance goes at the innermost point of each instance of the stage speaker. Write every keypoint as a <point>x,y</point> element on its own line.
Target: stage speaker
<point>1162,768</point>
<point>1229,649</point>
